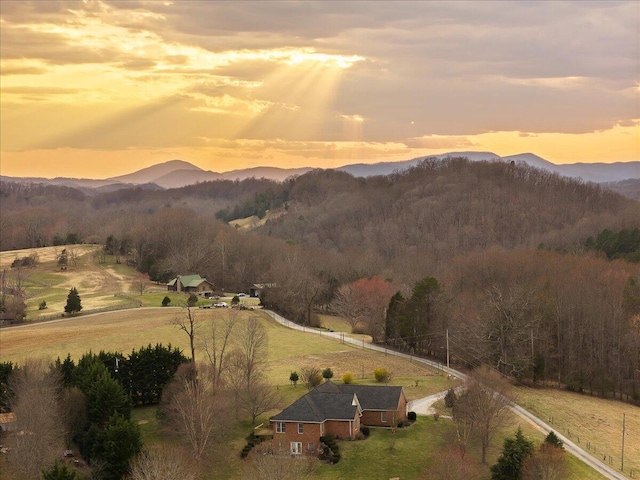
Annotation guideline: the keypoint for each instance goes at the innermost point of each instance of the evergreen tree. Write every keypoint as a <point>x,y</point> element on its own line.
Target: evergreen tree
<point>107,397</point>
<point>59,471</point>
<point>514,452</point>
<point>327,374</point>
<point>552,439</point>
<point>73,302</point>
<point>115,446</point>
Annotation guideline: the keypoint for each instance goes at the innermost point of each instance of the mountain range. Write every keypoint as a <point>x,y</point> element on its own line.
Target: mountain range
<point>179,173</point>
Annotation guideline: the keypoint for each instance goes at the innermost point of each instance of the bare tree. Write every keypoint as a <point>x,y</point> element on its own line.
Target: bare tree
<point>218,343</point>
<point>195,409</point>
<point>548,463</point>
<point>449,464</point>
<point>140,283</point>
<point>311,377</point>
<point>344,305</point>
<point>258,397</point>
<point>247,363</point>
<point>40,432</point>
<point>162,463</point>
<point>188,324</point>
<point>481,407</point>
<point>264,464</point>
<point>252,348</point>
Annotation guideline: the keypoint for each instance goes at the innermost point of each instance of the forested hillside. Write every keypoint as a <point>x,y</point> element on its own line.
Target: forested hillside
<point>498,254</point>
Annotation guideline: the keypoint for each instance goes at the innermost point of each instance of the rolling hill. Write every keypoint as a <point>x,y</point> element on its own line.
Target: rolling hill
<point>179,173</point>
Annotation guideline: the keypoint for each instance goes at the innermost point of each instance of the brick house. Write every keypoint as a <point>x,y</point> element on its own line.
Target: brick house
<point>190,284</point>
<point>337,410</point>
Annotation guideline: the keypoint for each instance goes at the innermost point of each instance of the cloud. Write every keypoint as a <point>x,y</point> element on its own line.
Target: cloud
<point>439,142</point>
<point>146,73</point>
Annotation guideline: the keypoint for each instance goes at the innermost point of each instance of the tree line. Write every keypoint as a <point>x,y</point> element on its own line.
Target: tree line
<point>473,228</point>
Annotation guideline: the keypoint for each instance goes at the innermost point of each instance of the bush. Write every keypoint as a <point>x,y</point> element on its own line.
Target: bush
<point>311,377</point>
<point>347,378</point>
<point>366,431</point>
<point>42,306</point>
<point>293,378</point>
<point>411,416</point>
<point>382,375</point>
<point>327,373</point>
<point>166,301</point>
<point>450,398</point>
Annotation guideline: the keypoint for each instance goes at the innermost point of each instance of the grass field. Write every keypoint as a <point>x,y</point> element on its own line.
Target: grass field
<point>593,423</point>
<point>112,285</point>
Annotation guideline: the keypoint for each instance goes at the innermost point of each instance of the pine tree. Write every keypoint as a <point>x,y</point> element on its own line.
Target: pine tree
<point>514,452</point>
<point>73,302</point>
<point>59,471</point>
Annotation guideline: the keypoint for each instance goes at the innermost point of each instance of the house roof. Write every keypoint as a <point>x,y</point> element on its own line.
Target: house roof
<point>373,397</point>
<point>188,280</point>
<point>317,406</point>
<point>329,401</point>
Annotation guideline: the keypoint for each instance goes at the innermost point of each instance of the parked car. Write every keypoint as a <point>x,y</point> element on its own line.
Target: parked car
<point>242,294</point>
<point>220,305</point>
<point>68,453</point>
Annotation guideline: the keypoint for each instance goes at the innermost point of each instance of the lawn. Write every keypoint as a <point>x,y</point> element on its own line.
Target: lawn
<point>591,422</point>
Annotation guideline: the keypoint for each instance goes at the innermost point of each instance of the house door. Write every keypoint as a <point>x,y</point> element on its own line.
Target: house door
<point>296,448</point>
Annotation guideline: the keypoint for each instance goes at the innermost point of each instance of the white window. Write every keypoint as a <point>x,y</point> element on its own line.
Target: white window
<point>281,427</point>
<point>301,428</point>
<point>310,446</point>
<point>296,448</point>
<point>383,417</point>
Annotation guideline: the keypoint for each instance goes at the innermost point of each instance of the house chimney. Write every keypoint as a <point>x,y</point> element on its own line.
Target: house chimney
<point>179,283</point>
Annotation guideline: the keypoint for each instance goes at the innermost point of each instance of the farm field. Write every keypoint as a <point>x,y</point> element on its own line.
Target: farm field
<point>111,285</point>
<point>593,423</point>
<point>130,329</point>
<point>289,349</point>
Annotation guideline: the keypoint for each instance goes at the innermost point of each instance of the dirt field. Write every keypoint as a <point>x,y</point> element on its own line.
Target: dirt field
<point>100,285</point>
<point>45,254</point>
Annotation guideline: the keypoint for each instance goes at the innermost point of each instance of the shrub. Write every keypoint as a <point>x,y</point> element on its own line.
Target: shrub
<point>293,378</point>
<point>347,378</point>
<point>235,300</point>
<point>366,431</point>
<point>166,301</point>
<point>42,306</point>
<point>411,416</point>
<point>382,375</point>
<point>311,377</point>
<point>450,398</point>
<point>327,373</point>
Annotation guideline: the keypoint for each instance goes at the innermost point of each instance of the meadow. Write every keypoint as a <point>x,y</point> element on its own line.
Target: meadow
<point>406,453</point>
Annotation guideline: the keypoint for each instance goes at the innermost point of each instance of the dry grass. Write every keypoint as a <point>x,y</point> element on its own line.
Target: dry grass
<point>589,419</point>
<point>45,254</point>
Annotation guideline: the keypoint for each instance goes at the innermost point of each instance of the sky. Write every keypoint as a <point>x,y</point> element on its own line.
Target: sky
<point>100,88</point>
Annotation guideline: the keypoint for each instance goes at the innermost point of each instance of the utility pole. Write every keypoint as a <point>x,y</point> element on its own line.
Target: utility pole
<point>447,331</point>
<point>622,456</point>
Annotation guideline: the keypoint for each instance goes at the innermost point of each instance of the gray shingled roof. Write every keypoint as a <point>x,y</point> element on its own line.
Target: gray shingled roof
<point>329,401</point>
<point>373,397</point>
<point>317,406</point>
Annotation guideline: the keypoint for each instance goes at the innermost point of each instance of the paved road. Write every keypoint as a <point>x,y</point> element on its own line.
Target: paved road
<point>423,404</point>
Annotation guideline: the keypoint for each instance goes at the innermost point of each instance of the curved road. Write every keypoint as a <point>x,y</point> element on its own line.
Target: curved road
<point>424,403</point>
